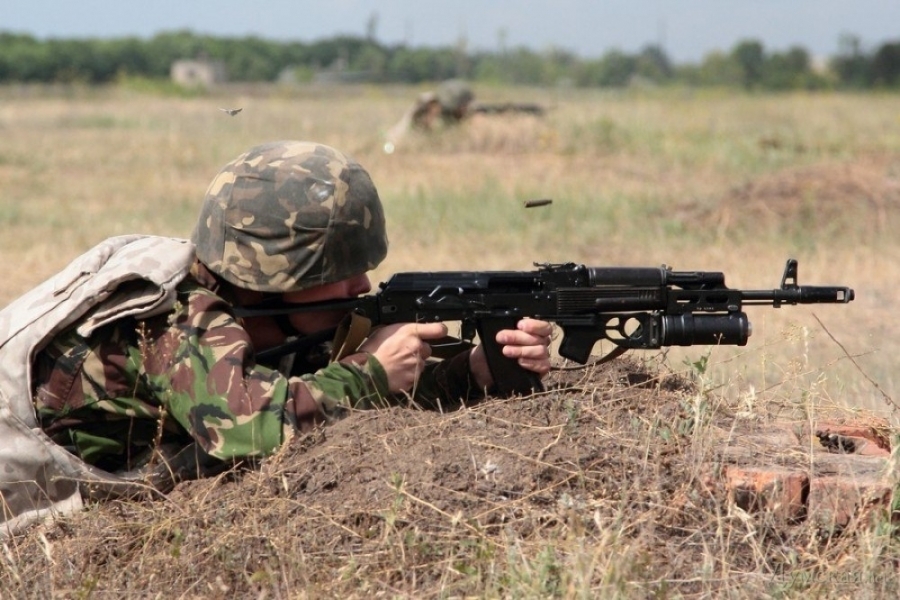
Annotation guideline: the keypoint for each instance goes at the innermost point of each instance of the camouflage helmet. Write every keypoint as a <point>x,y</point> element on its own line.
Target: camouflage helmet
<point>286,216</point>
<point>455,95</point>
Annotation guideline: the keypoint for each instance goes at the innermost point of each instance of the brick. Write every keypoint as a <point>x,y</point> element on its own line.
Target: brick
<point>829,473</point>
<point>852,430</point>
<point>759,447</point>
<point>858,445</point>
<point>780,492</point>
<point>835,500</point>
<point>852,466</point>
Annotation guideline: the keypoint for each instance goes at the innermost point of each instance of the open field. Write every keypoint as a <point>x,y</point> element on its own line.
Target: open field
<point>592,491</point>
<point>709,181</point>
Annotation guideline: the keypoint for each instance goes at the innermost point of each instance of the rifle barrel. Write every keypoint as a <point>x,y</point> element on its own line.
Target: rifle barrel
<point>809,294</point>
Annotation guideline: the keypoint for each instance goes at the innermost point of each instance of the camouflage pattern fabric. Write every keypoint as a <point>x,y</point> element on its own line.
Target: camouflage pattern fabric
<point>185,376</point>
<point>120,277</point>
<point>122,357</point>
<point>125,275</point>
<point>455,96</point>
<point>288,216</point>
<point>190,376</point>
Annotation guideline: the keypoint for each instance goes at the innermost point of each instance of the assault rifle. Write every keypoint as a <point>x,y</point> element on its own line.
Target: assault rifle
<point>634,308</point>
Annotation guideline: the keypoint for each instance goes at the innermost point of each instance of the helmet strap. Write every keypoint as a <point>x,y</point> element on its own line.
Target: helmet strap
<point>284,324</point>
<point>282,320</point>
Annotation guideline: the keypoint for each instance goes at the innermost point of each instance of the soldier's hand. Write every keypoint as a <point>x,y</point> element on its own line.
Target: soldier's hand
<point>402,350</point>
<point>529,343</point>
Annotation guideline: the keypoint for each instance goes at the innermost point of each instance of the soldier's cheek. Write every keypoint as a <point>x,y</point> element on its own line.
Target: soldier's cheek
<point>314,322</point>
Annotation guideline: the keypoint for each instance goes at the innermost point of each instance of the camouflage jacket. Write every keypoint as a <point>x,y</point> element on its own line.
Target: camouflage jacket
<point>189,375</point>
<point>121,277</point>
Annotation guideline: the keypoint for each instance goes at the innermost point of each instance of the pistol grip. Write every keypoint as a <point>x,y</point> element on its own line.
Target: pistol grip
<point>509,377</point>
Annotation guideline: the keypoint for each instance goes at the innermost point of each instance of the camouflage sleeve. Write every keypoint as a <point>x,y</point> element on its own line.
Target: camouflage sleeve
<point>192,372</point>
<point>448,384</point>
<point>235,407</point>
<point>329,392</point>
<point>189,372</point>
<point>200,362</point>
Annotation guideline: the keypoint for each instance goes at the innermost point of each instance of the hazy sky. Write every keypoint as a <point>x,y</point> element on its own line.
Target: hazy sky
<point>686,29</point>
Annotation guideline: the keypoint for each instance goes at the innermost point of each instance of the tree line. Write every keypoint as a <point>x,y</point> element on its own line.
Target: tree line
<point>748,64</point>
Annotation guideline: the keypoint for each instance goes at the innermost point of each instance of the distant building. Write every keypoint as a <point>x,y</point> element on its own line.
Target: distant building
<point>338,72</point>
<point>198,73</point>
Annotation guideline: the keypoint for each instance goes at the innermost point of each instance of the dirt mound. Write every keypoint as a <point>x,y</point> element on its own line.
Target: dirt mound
<point>592,488</point>
<point>864,195</point>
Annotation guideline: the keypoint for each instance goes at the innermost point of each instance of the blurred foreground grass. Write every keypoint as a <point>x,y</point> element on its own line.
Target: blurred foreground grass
<point>699,181</point>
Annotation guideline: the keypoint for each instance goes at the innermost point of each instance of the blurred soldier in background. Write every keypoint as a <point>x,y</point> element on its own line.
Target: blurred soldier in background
<point>453,102</point>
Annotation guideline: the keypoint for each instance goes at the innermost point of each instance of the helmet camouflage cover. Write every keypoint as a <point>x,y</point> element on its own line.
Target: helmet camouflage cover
<point>455,95</point>
<point>286,216</point>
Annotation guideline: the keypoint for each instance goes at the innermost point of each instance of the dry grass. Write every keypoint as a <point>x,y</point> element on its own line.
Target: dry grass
<point>598,487</point>
<point>719,182</point>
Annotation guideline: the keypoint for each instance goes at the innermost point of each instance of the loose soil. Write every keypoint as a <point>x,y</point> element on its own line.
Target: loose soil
<point>599,485</point>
